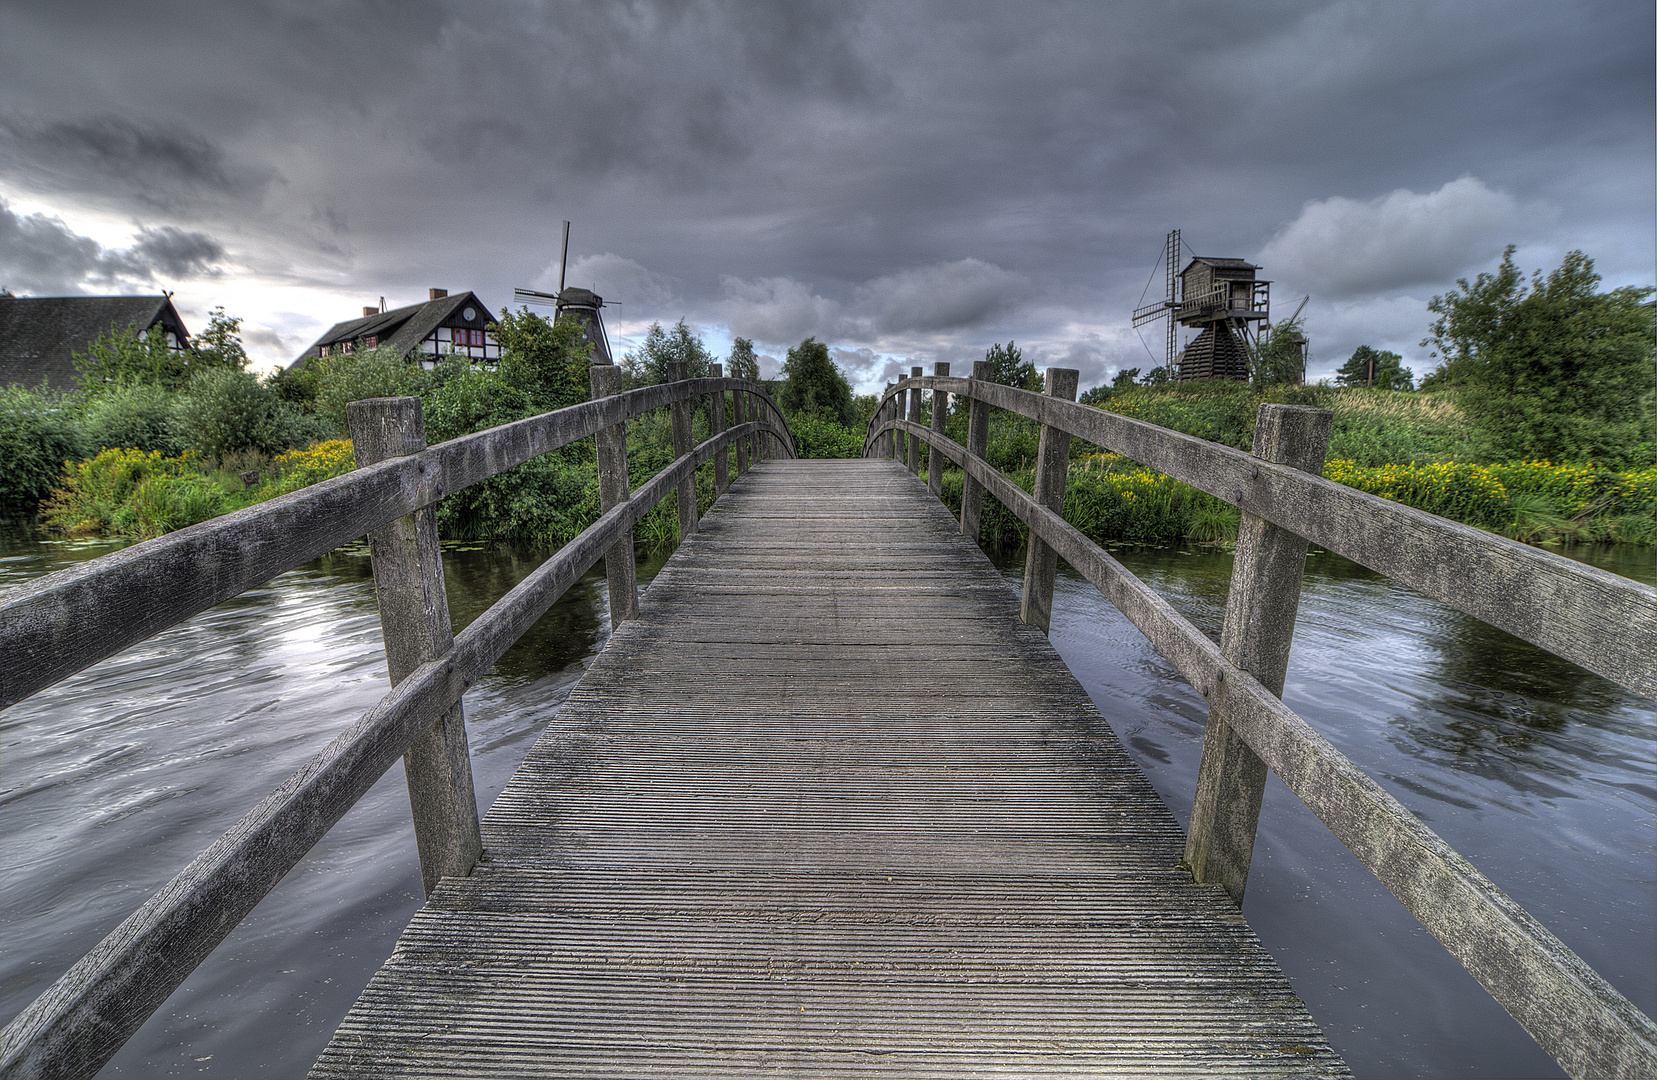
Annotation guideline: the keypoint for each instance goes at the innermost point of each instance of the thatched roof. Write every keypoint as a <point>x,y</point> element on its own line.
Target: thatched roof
<point>40,335</point>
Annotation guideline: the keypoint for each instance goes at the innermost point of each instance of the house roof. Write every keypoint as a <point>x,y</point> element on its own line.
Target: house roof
<point>402,328</point>
<point>40,335</point>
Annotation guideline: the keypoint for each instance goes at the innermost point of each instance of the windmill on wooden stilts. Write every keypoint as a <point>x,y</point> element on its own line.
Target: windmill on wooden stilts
<point>1222,300</point>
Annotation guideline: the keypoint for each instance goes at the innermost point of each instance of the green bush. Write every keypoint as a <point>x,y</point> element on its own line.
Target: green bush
<point>136,416</point>
<point>124,492</point>
<point>38,437</point>
<point>815,437</point>
<point>225,411</point>
<point>365,373</point>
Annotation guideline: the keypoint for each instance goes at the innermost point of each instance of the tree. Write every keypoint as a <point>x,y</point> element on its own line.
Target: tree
<point>548,361</point>
<point>1097,396</point>
<point>220,345</point>
<point>1279,359</point>
<point>1155,377</point>
<point>124,356</point>
<point>648,365</point>
<point>1387,372</point>
<point>1555,370</point>
<point>1124,379</point>
<point>743,363</point>
<point>813,386</point>
<point>1009,368</point>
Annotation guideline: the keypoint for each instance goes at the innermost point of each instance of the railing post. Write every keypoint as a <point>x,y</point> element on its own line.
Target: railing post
<point>716,427</point>
<point>978,441</point>
<point>915,418</point>
<point>1259,625</point>
<point>887,446</point>
<point>1041,563</point>
<point>940,409</point>
<point>680,413</point>
<point>757,450</point>
<point>612,492</point>
<point>414,619</point>
<point>737,420</point>
<point>900,439</point>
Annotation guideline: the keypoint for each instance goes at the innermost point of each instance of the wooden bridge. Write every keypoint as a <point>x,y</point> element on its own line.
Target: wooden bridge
<point>827,803</point>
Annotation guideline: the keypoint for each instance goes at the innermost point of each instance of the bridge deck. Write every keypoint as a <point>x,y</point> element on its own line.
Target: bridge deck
<point>828,809</point>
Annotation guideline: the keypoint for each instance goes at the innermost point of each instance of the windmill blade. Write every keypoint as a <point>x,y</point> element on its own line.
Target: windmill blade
<point>1150,312</point>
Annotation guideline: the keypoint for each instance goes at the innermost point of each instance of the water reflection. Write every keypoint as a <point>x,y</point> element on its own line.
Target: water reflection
<point>117,778</point>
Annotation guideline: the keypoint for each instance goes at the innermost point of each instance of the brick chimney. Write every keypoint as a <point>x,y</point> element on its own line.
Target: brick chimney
<point>437,294</point>
<point>370,310</point>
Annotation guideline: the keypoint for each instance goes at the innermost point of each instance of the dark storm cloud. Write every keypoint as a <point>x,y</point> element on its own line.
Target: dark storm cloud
<point>177,253</point>
<point>162,167</point>
<point>655,88</point>
<point>913,180</point>
<point>41,256</point>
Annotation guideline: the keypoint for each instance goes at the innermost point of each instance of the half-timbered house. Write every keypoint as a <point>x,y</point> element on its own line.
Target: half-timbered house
<point>425,332</point>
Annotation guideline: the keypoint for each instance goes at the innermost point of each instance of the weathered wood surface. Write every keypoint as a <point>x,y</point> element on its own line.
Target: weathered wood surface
<point>1565,1005</point>
<point>1041,565</point>
<point>414,624</point>
<point>73,1028</point>
<point>64,622</point>
<point>1260,609</point>
<point>763,837</point>
<point>1591,617</point>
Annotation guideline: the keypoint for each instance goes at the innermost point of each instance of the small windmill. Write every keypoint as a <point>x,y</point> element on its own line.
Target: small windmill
<point>1168,307</point>
<point>582,304</point>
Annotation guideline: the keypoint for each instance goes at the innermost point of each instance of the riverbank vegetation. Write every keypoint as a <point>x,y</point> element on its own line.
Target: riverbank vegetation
<point>1538,424</point>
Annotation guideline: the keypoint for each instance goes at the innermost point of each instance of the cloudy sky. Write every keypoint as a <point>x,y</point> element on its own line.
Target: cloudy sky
<point>907,182</point>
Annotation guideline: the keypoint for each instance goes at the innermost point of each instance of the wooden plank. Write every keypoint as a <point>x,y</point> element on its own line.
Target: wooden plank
<point>74,1027</point>
<point>805,863</point>
<point>1259,627</point>
<point>414,623</point>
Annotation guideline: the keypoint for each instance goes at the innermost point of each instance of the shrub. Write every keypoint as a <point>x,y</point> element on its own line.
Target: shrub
<point>365,373</point>
<point>1456,490</point>
<point>131,493</point>
<point>815,437</point>
<point>38,436</point>
<point>135,416</point>
<point>225,411</point>
<point>301,468</point>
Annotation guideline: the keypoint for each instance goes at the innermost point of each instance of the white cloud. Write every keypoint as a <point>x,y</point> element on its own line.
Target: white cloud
<point>1343,247</point>
<point>779,310</point>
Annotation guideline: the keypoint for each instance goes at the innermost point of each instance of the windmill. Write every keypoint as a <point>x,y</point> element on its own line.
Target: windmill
<point>1221,299</point>
<point>1168,305</point>
<point>582,304</point>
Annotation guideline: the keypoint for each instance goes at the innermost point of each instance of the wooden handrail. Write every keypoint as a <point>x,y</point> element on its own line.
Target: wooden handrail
<point>79,1022</point>
<point>61,623</point>
<point>1591,617</point>
<point>1571,1011</point>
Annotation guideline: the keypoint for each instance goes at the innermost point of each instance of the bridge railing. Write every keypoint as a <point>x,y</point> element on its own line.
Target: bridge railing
<point>1603,622</point>
<point>65,622</point>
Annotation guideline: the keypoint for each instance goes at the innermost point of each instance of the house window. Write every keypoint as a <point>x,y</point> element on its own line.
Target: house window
<point>322,350</point>
<point>370,341</point>
<point>346,347</point>
<point>468,337</point>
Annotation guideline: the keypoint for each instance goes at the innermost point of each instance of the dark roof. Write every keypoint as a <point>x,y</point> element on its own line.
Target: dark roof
<point>402,328</point>
<point>1218,264</point>
<point>40,335</point>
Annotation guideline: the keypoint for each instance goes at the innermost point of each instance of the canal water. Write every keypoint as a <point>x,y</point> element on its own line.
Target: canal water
<point>112,781</point>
